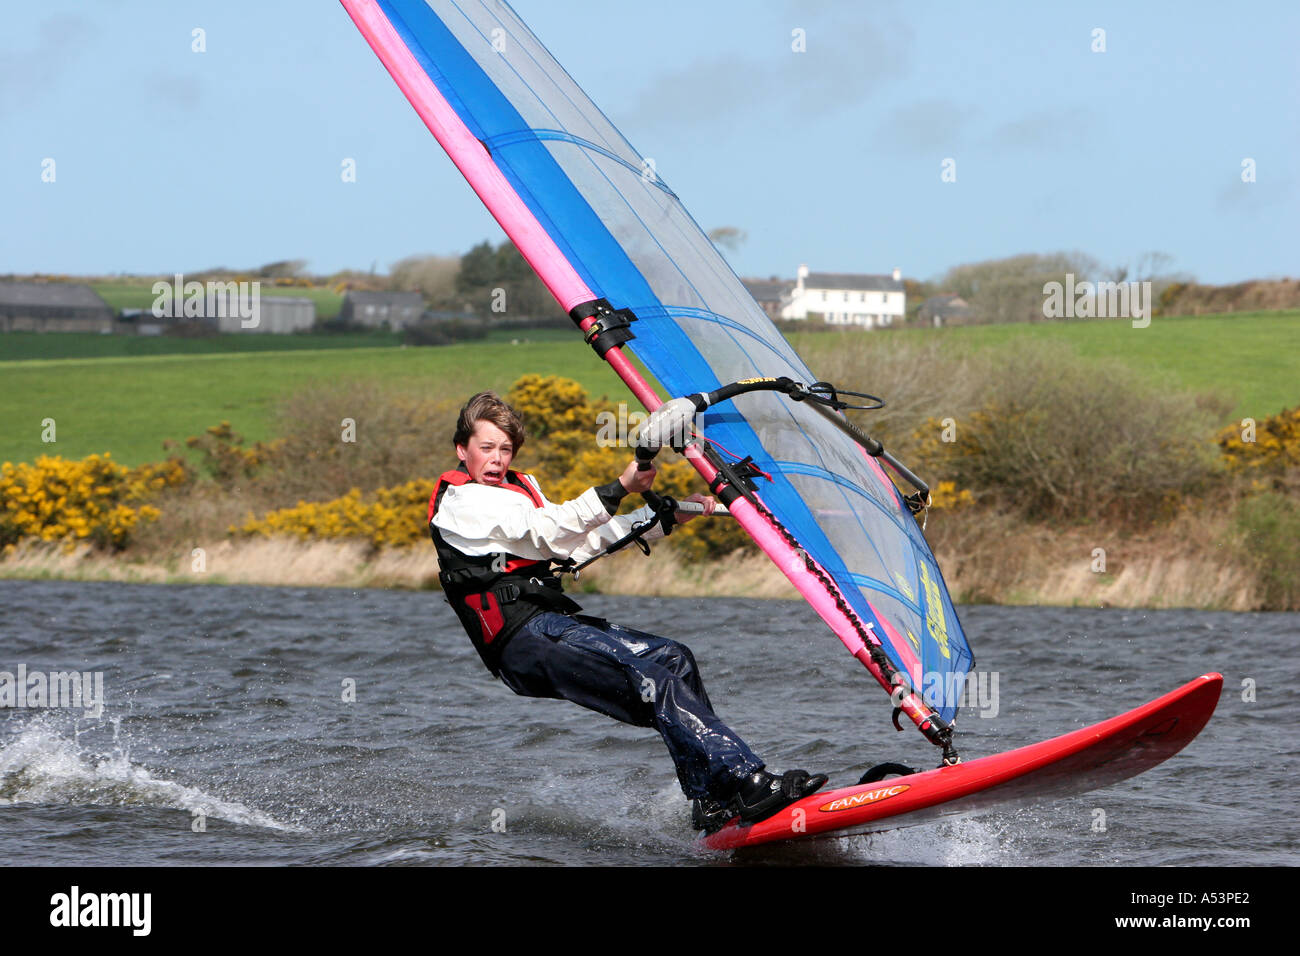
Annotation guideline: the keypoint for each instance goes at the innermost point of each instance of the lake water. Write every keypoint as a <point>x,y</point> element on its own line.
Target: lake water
<point>225,736</point>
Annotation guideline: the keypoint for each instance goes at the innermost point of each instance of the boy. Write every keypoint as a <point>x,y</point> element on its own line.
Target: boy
<point>499,541</point>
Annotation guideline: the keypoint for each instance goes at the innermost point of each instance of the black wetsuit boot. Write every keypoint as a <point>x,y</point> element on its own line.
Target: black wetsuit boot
<point>763,794</point>
<point>759,796</point>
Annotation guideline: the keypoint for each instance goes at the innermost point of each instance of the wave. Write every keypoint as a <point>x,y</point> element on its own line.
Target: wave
<point>39,764</point>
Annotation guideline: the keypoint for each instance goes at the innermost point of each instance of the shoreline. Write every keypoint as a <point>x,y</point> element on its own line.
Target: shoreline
<point>1033,568</point>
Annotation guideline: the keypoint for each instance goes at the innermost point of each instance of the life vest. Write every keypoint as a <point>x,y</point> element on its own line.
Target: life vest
<point>493,594</point>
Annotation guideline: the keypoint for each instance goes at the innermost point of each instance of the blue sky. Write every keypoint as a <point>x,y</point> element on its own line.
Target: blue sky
<point>170,160</point>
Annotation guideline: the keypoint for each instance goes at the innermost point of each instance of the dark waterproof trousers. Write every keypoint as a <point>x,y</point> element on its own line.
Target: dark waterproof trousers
<point>637,678</point>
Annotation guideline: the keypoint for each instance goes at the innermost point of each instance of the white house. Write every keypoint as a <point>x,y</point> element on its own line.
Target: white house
<point>846,299</point>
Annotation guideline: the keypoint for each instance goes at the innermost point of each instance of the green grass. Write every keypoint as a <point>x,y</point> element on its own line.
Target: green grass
<point>1250,358</point>
<point>129,404</point>
<point>23,346</point>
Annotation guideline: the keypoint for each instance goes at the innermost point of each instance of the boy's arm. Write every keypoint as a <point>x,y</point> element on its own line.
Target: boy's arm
<point>609,495</point>
<point>478,520</point>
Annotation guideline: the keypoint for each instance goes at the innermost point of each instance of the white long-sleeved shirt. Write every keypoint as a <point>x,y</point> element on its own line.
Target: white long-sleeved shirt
<point>478,520</point>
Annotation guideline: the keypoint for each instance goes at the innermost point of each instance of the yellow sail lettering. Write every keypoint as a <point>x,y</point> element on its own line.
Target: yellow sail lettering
<point>934,611</point>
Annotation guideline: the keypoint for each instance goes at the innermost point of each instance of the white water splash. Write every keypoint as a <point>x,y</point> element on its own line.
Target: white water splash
<point>39,765</point>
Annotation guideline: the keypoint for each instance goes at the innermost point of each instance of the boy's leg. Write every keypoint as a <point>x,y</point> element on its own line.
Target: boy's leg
<point>636,678</point>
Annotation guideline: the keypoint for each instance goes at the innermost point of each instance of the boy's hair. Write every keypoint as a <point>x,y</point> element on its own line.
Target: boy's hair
<point>488,407</point>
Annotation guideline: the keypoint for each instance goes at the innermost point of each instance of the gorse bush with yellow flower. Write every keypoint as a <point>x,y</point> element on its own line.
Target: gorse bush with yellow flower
<point>1265,458</point>
<point>945,497</point>
<point>95,499</point>
<point>224,455</point>
<point>1272,445</point>
<point>391,517</point>
<point>561,423</point>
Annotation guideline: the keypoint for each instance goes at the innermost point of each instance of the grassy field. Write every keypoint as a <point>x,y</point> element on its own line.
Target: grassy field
<point>20,346</point>
<point>1251,358</point>
<point>130,403</point>
<point>140,295</point>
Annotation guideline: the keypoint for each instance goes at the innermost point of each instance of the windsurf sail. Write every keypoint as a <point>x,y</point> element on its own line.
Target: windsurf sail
<point>621,254</point>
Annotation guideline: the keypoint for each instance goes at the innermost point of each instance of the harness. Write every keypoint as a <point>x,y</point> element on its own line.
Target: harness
<point>494,594</point>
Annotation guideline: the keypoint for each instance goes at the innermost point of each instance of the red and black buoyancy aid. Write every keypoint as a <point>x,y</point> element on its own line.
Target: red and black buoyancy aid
<point>494,594</point>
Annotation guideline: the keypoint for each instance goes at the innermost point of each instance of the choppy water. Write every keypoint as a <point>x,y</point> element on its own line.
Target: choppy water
<point>224,709</point>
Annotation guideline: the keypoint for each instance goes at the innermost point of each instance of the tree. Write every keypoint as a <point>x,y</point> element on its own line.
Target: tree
<point>500,283</point>
<point>284,269</point>
<point>434,277</point>
<point>728,237</point>
<point>478,269</point>
<point>1011,289</point>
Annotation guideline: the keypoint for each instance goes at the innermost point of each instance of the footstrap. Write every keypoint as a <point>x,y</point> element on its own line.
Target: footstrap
<point>881,770</point>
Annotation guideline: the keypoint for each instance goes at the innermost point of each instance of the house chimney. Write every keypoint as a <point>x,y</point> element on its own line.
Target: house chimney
<point>802,274</point>
<point>898,274</point>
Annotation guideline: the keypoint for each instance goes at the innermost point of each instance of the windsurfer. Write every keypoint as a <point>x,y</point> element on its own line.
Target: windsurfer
<point>499,542</point>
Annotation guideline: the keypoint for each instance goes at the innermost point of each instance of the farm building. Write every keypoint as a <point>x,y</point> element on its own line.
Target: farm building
<point>52,307</point>
<point>277,314</point>
<point>769,293</point>
<point>945,309</point>
<point>398,309</point>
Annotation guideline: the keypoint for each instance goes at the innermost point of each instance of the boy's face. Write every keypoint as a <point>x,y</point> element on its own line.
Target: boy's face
<point>488,454</point>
